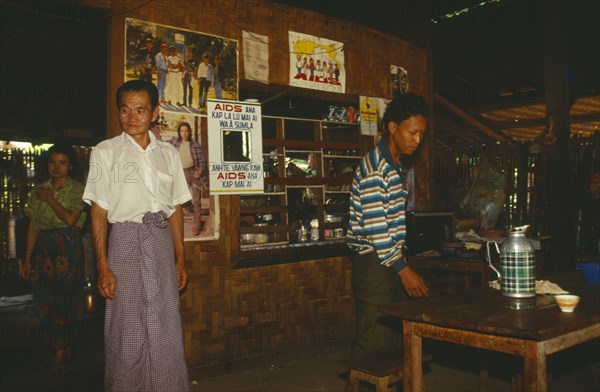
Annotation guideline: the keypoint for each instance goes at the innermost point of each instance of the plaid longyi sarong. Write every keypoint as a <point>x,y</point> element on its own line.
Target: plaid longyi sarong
<point>143,340</point>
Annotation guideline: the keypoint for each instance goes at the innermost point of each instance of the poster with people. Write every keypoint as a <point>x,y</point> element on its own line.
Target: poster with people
<point>316,63</point>
<point>188,68</point>
<point>189,135</point>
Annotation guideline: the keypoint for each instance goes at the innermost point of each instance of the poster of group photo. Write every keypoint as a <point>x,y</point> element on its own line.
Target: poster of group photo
<point>188,68</point>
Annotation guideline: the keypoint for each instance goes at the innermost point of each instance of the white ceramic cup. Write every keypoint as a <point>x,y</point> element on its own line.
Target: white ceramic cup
<point>567,302</point>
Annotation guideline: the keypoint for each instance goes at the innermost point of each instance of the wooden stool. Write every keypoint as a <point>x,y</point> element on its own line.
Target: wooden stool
<point>380,367</point>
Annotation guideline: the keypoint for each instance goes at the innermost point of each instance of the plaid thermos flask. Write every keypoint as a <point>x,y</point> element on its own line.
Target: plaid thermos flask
<point>517,266</point>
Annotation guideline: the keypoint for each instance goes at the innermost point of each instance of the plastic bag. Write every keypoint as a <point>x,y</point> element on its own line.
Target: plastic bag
<point>485,198</point>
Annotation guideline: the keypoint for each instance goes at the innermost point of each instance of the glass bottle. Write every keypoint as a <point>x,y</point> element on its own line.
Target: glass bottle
<point>314,230</point>
<point>302,233</point>
<point>331,169</point>
<point>88,294</point>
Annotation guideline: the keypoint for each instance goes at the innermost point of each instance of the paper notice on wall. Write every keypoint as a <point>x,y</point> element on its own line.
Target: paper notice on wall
<point>368,115</point>
<point>235,161</point>
<point>382,104</point>
<point>256,57</point>
<point>398,80</point>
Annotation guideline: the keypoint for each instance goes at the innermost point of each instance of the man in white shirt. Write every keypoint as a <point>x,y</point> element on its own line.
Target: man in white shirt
<point>136,183</point>
<point>204,76</point>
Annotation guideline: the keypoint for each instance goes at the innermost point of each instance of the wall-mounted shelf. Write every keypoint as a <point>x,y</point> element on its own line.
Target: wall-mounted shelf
<point>309,165</point>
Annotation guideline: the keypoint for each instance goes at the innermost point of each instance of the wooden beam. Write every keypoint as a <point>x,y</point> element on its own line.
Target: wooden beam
<point>542,121</point>
<point>469,119</point>
<point>443,145</point>
<point>507,104</point>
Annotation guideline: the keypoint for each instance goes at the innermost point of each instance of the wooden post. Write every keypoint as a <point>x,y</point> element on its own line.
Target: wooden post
<point>560,178</point>
<point>413,356</point>
<point>116,61</point>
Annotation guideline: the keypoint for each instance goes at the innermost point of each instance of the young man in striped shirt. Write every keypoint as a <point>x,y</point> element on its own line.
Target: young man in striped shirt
<point>377,229</point>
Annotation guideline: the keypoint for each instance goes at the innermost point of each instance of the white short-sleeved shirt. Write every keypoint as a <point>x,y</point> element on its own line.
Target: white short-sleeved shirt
<point>128,181</point>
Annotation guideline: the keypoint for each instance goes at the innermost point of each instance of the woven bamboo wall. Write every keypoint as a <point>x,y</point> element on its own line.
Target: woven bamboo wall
<point>231,314</point>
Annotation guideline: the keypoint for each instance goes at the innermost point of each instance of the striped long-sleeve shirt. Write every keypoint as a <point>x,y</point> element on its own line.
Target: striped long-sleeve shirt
<point>377,208</point>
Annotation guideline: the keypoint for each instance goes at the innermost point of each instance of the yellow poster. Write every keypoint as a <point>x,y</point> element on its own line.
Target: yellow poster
<point>368,115</point>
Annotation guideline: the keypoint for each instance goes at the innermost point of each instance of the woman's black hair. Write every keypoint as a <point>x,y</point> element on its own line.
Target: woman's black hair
<point>64,148</point>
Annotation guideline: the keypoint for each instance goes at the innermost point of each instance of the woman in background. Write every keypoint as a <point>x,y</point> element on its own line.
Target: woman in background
<point>54,254</point>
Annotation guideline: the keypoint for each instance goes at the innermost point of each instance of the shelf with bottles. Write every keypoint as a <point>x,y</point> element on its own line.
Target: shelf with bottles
<point>297,154</point>
<point>304,205</point>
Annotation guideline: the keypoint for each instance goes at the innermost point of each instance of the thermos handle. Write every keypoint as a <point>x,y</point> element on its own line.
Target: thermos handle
<point>489,257</point>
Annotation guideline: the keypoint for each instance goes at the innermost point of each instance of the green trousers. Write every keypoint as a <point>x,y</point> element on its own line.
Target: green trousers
<point>374,285</point>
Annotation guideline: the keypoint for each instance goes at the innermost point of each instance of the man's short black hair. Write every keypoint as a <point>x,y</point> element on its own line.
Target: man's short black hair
<point>136,86</point>
<point>402,107</point>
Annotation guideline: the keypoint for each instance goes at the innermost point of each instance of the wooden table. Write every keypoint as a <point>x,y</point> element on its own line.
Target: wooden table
<point>454,264</point>
<point>466,267</point>
<point>485,319</point>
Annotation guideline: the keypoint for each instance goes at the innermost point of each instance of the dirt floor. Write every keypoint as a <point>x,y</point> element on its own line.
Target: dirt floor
<point>26,365</point>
